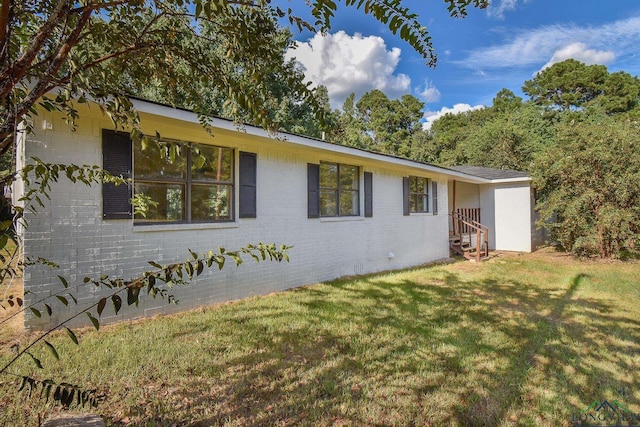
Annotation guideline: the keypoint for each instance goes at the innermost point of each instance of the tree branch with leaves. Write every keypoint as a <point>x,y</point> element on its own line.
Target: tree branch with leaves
<point>60,53</point>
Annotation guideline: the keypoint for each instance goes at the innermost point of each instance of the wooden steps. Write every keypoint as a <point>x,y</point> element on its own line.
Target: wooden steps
<point>469,238</point>
<point>466,249</point>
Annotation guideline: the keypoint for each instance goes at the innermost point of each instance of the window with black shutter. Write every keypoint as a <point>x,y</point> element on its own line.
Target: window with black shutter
<point>405,196</point>
<point>313,190</point>
<point>434,197</point>
<point>248,179</point>
<point>368,194</point>
<point>182,182</point>
<point>116,159</point>
<point>415,193</point>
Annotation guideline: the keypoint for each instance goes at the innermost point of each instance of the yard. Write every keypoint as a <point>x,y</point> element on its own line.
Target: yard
<point>518,340</point>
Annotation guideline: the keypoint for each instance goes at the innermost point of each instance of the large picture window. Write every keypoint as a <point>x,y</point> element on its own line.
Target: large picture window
<point>418,194</point>
<point>339,190</point>
<point>182,182</point>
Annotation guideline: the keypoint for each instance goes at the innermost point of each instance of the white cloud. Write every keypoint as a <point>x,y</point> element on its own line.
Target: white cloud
<point>430,93</point>
<point>346,64</point>
<point>432,116</point>
<point>537,46</point>
<point>498,9</point>
<point>582,53</point>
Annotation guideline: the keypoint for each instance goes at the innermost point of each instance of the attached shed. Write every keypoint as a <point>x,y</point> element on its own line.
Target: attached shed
<point>500,199</point>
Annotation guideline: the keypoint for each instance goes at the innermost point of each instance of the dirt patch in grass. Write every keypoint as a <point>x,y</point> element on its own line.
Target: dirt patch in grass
<point>11,329</point>
<point>11,318</point>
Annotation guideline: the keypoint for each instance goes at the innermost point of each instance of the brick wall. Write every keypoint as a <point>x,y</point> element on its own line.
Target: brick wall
<point>71,232</point>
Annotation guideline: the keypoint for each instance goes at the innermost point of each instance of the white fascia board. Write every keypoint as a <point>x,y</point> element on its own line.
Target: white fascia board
<point>190,117</point>
<point>508,180</point>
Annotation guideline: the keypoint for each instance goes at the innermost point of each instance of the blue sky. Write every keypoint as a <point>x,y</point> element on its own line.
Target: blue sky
<point>488,50</point>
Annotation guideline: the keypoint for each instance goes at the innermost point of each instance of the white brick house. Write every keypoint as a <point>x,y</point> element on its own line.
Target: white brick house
<point>344,211</point>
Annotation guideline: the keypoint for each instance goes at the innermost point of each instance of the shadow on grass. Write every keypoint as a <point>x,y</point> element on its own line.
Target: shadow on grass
<point>379,352</point>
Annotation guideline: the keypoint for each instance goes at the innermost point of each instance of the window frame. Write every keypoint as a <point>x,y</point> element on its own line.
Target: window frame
<point>338,191</point>
<point>425,195</point>
<point>187,183</point>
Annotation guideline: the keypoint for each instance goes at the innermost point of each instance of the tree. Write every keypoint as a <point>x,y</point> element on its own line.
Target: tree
<point>284,105</point>
<point>293,115</point>
<point>60,53</point>
<point>379,123</point>
<point>621,93</point>
<point>571,85</point>
<point>508,139</point>
<point>505,100</point>
<point>80,49</point>
<point>350,128</point>
<point>589,182</point>
<point>565,85</point>
<point>448,134</point>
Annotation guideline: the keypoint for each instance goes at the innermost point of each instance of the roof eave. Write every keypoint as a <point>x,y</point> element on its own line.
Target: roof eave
<point>191,117</point>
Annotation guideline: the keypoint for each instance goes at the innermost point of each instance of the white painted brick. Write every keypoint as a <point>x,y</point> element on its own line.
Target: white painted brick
<point>71,232</point>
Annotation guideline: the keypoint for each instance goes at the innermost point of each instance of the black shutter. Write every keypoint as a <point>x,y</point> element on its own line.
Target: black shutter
<point>116,159</point>
<point>313,190</point>
<point>405,195</point>
<point>434,196</point>
<point>368,194</point>
<point>248,175</point>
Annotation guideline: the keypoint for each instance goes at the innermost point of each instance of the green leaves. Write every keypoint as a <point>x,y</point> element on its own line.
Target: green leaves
<point>156,282</point>
<point>133,295</point>
<point>39,175</point>
<point>64,394</point>
<point>95,322</point>
<point>64,281</point>
<point>101,305</point>
<point>117,303</point>
<point>573,85</point>
<point>589,182</point>
<point>35,360</point>
<point>379,123</point>
<point>52,349</point>
<point>72,335</point>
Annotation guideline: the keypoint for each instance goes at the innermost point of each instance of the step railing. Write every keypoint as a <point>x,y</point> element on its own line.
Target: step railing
<point>465,226</point>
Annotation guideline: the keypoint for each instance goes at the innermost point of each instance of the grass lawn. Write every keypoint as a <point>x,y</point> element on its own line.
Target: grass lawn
<point>518,340</point>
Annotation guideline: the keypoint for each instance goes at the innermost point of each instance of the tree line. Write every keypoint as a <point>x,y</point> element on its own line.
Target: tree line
<point>577,134</point>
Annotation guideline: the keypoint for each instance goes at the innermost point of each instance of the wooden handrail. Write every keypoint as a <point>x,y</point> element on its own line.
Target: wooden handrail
<point>469,221</point>
<point>473,227</point>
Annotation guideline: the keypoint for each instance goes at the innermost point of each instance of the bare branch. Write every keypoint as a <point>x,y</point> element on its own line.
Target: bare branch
<point>98,6</point>
<point>17,71</point>
<point>44,84</point>
<point>4,24</point>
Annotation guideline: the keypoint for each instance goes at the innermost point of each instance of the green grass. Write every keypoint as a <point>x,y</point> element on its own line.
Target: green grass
<point>519,340</point>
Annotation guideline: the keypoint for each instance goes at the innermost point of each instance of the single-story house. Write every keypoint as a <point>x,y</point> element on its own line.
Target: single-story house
<point>345,211</point>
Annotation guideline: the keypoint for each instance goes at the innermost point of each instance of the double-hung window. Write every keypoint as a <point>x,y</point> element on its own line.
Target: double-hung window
<point>339,190</point>
<point>182,182</point>
<point>418,194</point>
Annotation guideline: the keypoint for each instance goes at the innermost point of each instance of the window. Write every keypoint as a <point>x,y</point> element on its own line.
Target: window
<point>116,159</point>
<point>339,190</point>
<point>182,182</point>
<point>418,194</point>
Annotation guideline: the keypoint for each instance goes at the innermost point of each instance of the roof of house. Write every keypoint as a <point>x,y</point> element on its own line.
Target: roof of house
<point>490,173</point>
<point>155,108</point>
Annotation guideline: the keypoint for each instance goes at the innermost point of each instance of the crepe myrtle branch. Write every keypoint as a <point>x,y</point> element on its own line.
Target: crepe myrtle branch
<point>156,282</point>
